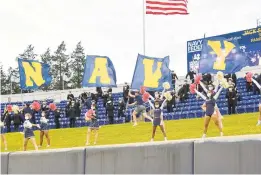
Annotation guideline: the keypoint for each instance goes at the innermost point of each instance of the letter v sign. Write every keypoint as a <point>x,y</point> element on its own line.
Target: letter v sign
<point>220,64</point>
<point>151,79</point>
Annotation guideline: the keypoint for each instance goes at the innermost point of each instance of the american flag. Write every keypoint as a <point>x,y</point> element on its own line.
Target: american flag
<point>166,7</point>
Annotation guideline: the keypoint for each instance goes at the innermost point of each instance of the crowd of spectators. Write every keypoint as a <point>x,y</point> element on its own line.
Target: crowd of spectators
<point>18,117</point>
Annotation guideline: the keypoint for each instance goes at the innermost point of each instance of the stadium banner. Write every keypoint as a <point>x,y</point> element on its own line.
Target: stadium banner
<point>33,74</point>
<point>249,43</point>
<point>218,54</point>
<point>151,72</point>
<point>99,72</point>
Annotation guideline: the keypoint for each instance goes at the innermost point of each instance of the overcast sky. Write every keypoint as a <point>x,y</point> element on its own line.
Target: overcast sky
<point>114,28</point>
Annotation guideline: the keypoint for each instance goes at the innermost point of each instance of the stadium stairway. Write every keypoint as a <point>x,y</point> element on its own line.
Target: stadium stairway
<point>190,108</point>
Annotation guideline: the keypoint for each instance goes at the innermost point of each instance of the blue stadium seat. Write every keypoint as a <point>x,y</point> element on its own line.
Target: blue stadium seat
<point>223,110</point>
<point>250,108</point>
<point>241,109</point>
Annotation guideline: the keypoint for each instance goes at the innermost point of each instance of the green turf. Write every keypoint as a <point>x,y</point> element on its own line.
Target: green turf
<point>126,133</point>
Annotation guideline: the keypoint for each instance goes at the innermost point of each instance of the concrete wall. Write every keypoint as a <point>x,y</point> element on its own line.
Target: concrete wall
<point>4,163</point>
<point>231,155</point>
<point>147,158</point>
<point>236,155</point>
<point>56,95</point>
<point>61,161</point>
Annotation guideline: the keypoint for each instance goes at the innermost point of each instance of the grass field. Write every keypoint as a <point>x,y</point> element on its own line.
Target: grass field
<point>125,133</point>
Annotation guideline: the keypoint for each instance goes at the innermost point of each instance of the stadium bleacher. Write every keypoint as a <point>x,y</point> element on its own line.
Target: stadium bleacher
<point>190,108</point>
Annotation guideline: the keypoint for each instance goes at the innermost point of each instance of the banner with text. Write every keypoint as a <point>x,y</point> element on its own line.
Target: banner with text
<point>218,54</point>
<point>33,74</point>
<point>249,43</point>
<point>151,72</point>
<point>99,72</point>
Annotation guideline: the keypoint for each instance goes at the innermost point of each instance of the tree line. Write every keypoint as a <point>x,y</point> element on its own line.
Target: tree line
<point>66,70</point>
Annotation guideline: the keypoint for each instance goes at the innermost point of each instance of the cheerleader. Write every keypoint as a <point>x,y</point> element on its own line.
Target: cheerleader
<point>210,108</point>
<point>140,107</point>
<point>158,118</point>
<point>94,126</point>
<point>213,91</point>
<point>259,86</point>
<point>28,131</point>
<point>3,135</point>
<point>44,129</point>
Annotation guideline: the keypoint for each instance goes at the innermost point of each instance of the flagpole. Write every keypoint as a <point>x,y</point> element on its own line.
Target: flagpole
<point>144,25</point>
<point>144,40</point>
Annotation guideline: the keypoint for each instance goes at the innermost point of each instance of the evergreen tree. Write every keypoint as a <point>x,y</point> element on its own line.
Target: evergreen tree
<point>60,63</point>
<point>4,85</point>
<point>46,57</point>
<point>28,54</point>
<point>78,61</point>
<point>13,79</point>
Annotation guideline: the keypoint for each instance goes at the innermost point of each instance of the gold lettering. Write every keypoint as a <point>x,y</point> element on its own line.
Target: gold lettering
<point>255,39</point>
<point>246,33</point>
<point>33,74</point>
<point>250,32</point>
<point>100,70</point>
<point>220,64</point>
<point>151,79</point>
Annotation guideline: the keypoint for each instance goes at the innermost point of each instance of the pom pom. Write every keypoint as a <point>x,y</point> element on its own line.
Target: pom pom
<point>9,108</point>
<point>168,96</point>
<point>249,77</point>
<point>142,89</point>
<point>197,79</point>
<point>166,85</point>
<point>145,96</point>
<point>43,120</point>
<point>52,106</point>
<point>224,83</point>
<point>28,124</point>
<point>15,108</point>
<point>36,106</point>
<point>89,115</point>
<point>192,88</point>
<point>220,75</point>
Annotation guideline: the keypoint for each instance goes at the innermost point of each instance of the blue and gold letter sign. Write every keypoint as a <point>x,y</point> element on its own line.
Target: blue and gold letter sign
<point>151,72</point>
<point>218,54</point>
<point>99,72</point>
<point>33,74</point>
